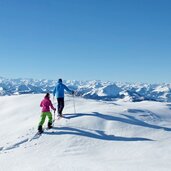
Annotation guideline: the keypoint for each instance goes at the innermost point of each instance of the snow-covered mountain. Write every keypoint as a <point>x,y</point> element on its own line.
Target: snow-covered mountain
<point>90,89</point>
<point>99,136</point>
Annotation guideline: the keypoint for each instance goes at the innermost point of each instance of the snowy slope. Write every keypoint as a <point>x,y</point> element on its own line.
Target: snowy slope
<point>101,135</point>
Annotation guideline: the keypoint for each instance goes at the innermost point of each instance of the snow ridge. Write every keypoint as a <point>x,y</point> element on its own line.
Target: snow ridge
<point>95,89</point>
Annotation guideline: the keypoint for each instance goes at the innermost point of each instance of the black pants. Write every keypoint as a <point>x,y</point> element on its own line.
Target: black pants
<point>60,105</point>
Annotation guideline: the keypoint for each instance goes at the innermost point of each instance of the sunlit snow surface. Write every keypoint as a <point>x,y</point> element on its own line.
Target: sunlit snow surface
<point>95,135</point>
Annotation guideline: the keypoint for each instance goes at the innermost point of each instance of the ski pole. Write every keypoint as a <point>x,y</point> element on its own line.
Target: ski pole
<point>53,117</point>
<point>74,104</point>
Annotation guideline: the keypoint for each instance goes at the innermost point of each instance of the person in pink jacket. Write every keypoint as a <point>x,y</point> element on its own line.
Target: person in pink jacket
<point>46,104</point>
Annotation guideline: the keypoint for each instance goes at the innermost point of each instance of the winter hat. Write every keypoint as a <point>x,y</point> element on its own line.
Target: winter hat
<point>47,95</point>
<point>60,80</point>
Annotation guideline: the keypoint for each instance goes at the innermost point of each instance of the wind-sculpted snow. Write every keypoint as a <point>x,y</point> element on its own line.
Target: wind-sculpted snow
<point>98,135</point>
<point>90,89</point>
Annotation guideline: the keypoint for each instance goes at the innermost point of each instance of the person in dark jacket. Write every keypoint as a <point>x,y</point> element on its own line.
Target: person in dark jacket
<point>58,93</point>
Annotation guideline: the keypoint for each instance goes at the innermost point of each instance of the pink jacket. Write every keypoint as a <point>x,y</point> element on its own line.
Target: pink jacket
<point>45,104</point>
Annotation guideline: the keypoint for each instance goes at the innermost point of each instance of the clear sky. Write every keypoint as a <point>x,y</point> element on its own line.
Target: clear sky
<point>115,40</point>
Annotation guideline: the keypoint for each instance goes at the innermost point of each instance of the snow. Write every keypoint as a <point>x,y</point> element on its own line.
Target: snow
<point>95,89</point>
<point>101,135</point>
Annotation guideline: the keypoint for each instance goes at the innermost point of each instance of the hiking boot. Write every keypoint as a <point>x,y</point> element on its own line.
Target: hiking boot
<point>40,129</point>
<point>60,114</point>
<point>49,125</point>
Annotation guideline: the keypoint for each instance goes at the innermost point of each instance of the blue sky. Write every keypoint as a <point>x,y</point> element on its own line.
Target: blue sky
<point>116,40</point>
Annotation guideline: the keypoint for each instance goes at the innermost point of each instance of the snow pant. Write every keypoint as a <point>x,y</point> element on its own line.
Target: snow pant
<point>43,117</point>
<point>60,105</point>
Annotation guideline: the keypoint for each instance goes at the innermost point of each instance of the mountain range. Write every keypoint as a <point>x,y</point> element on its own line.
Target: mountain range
<point>94,89</point>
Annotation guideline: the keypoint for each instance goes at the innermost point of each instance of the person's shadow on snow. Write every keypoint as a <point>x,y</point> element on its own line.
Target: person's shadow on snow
<point>169,106</point>
<point>96,134</point>
<point>127,119</point>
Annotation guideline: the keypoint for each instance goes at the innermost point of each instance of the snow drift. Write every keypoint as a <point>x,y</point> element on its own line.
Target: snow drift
<point>101,135</point>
